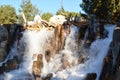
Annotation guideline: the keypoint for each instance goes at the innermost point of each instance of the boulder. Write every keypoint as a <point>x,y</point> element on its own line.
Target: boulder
<point>48,77</point>
<point>91,76</point>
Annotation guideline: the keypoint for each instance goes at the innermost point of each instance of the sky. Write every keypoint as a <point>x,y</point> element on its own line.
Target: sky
<point>51,6</point>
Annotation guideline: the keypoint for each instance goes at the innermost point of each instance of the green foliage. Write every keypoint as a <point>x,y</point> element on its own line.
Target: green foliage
<point>104,9</point>
<point>7,14</point>
<point>61,11</point>
<point>46,16</point>
<point>28,9</point>
<point>115,9</point>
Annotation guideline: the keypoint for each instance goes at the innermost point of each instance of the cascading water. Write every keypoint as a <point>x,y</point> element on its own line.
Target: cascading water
<point>34,43</point>
<point>96,54</point>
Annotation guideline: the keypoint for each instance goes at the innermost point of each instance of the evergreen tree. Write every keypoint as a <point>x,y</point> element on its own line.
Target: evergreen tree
<point>61,11</point>
<point>65,13</point>
<point>7,14</point>
<point>104,9</point>
<point>46,16</point>
<point>28,9</point>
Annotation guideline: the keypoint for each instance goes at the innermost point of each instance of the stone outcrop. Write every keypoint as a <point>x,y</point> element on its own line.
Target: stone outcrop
<point>111,65</point>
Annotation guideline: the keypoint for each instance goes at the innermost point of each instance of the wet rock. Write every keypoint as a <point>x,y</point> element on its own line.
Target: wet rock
<point>3,43</point>
<point>36,70</point>
<point>59,38</point>
<point>67,28</point>
<point>2,54</point>
<point>40,60</point>
<point>66,64</point>
<point>19,38</point>
<point>81,59</point>
<point>8,33</point>
<point>5,67</point>
<point>101,31</point>
<point>12,63</point>
<point>91,76</point>
<point>37,67</point>
<point>9,65</point>
<point>1,70</point>
<point>48,77</point>
<point>82,32</point>
<point>34,56</point>
<point>111,62</point>
<point>47,55</point>
<point>3,33</point>
<point>117,75</point>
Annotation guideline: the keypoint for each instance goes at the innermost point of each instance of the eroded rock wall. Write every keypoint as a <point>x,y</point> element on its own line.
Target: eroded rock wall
<point>111,65</point>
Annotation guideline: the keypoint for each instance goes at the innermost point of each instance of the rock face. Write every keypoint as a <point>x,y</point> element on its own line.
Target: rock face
<point>3,42</point>
<point>91,76</point>
<point>8,34</point>
<point>111,65</point>
<point>11,64</point>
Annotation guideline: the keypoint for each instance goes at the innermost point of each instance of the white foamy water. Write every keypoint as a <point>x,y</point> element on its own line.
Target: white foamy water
<point>34,42</point>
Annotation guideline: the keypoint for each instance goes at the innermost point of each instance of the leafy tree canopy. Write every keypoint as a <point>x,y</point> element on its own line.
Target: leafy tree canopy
<point>7,14</point>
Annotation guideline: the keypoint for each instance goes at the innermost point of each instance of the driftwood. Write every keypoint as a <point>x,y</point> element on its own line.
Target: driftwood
<point>39,25</point>
<point>24,17</point>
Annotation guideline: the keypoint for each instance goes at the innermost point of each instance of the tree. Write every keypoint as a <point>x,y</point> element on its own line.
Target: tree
<point>28,9</point>
<point>61,11</point>
<point>115,9</point>
<point>46,16</point>
<point>104,9</point>
<point>7,14</point>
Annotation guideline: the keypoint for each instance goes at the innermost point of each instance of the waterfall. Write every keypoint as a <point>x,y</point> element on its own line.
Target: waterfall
<point>85,37</point>
<point>34,43</point>
<point>96,54</point>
